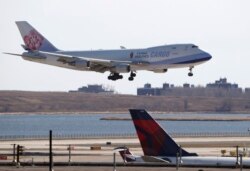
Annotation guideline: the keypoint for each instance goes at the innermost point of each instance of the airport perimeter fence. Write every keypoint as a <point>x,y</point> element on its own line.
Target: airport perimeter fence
<point>96,136</point>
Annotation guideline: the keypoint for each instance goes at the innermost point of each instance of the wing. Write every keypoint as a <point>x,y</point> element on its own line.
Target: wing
<point>94,64</point>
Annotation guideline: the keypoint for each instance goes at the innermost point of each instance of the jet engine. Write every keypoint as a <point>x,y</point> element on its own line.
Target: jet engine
<point>80,64</point>
<point>160,70</point>
<point>122,68</point>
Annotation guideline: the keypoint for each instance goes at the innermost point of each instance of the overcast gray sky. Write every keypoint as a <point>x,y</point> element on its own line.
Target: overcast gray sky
<point>220,27</point>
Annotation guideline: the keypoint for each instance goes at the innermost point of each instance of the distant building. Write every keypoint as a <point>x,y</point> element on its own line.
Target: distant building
<point>94,89</point>
<point>222,83</point>
<point>247,92</point>
<point>165,86</point>
<point>148,91</point>
<point>186,85</point>
<point>220,88</point>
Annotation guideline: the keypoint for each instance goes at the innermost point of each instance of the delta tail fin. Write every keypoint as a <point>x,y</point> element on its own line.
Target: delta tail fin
<point>33,40</point>
<point>154,140</point>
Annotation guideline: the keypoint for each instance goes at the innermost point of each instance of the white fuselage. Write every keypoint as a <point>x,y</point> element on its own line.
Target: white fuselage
<point>208,161</point>
<point>157,59</point>
<point>205,161</point>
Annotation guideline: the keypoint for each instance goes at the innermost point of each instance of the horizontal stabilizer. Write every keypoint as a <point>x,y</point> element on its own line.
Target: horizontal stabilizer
<point>33,55</point>
<point>126,155</point>
<point>15,54</point>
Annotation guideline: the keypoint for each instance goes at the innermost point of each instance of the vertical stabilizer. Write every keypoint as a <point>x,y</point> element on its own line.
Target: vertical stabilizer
<point>154,140</point>
<point>33,39</point>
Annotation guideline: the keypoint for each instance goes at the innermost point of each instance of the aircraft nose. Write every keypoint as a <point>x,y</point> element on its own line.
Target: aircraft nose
<point>207,56</point>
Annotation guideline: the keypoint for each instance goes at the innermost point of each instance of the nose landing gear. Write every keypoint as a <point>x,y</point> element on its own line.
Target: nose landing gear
<point>190,74</point>
<point>117,76</point>
<point>132,75</point>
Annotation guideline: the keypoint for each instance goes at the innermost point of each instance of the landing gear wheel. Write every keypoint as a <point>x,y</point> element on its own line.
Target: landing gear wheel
<point>115,76</point>
<point>130,78</point>
<point>120,77</point>
<point>132,75</point>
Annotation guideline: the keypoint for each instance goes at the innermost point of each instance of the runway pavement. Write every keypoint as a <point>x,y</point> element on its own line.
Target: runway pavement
<point>88,168</point>
<point>37,150</point>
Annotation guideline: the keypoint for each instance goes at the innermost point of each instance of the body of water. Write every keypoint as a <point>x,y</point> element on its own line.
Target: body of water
<point>87,124</point>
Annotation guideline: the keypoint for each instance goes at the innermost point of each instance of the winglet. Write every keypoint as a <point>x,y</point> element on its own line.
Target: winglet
<point>154,140</point>
<point>33,39</point>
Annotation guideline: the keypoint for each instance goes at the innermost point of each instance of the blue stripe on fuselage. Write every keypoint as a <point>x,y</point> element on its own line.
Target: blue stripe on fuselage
<point>195,60</point>
<point>185,59</point>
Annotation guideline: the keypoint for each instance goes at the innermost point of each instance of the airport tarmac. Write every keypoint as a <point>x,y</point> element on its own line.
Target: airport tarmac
<point>37,151</point>
<point>90,168</point>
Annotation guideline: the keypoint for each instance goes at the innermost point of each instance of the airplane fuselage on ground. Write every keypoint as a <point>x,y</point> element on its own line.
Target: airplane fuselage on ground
<point>159,146</point>
<point>204,161</point>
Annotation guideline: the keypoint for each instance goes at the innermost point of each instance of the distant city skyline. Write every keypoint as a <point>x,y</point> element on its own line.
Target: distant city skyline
<point>219,27</point>
<point>211,82</point>
<point>218,88</point>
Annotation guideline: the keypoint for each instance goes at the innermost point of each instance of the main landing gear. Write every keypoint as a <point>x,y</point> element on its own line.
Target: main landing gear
<point>131,77</point>
<point>190,74</point>
<point>115,76</point>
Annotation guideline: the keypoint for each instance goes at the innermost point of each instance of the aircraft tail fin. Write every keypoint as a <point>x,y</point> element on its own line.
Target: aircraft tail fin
<point>154,140</point>
<point>126,155</point>
<point>33,39</point>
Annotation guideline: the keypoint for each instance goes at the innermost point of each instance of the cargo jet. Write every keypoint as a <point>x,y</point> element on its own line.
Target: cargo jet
<point>158,146</point>
<point>157,59</point>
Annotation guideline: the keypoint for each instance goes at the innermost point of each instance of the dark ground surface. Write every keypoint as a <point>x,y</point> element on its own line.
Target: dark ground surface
<point>109,168</point>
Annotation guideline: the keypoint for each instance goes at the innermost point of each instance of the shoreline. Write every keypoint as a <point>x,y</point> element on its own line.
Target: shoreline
<point>178,116</point>
<point>183,119</point>
<point>121,112</point>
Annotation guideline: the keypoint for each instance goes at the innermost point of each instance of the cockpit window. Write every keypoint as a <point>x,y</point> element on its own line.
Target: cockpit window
<point>194,46</point>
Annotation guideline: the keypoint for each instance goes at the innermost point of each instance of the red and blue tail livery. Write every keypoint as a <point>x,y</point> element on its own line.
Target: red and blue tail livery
<point>158,146</point>
<point>154,140</point>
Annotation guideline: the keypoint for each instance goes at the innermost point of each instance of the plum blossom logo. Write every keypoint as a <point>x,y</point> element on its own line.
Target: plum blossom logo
<point>33,40</point>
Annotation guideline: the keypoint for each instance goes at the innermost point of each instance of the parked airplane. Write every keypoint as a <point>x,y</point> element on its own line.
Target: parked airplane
<point>156,143</point>
<point>157,59</point>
